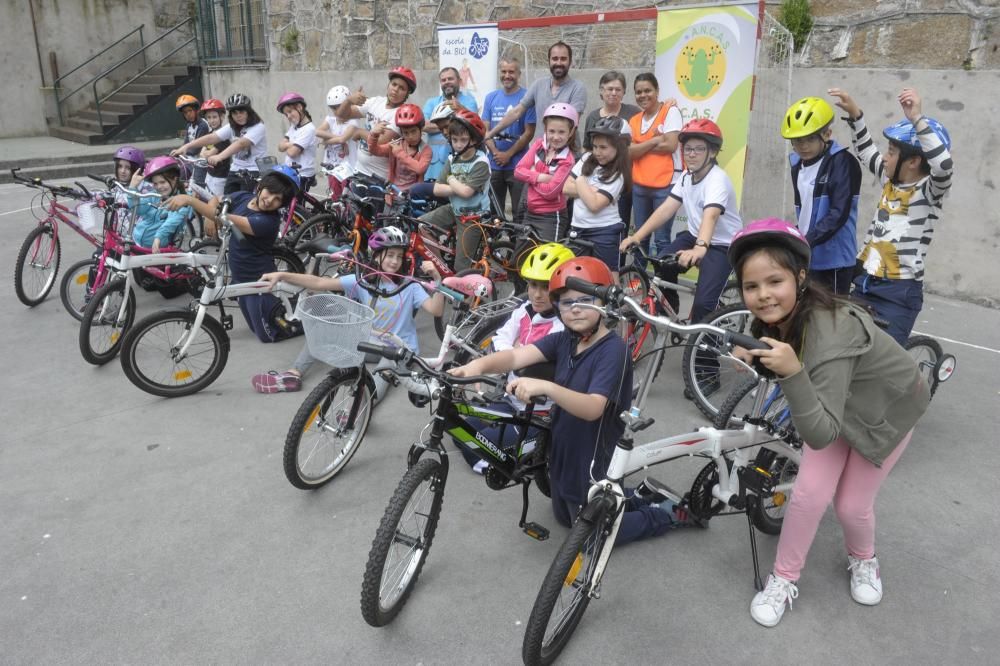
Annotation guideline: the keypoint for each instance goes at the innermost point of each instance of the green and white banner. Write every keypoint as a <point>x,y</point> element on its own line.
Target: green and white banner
<point>705,59</point>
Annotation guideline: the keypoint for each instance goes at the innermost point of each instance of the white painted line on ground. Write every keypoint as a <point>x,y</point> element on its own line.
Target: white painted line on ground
<point>959,342</point>
<point>19,210</point>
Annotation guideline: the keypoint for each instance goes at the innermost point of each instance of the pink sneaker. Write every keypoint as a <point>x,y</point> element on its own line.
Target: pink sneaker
<point>273,381</point>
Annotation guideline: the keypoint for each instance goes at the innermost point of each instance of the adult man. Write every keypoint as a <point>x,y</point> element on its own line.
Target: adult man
<point>456,98</point>
<point>557,88</point>
<point>507,149</point>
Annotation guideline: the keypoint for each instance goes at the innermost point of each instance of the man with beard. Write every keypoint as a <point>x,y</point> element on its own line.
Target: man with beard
<point>557,88</point>
<point>456,98</point>
<point>507,149</point>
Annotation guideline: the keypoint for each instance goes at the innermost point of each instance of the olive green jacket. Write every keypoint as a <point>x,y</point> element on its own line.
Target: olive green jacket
<point>857,383</point>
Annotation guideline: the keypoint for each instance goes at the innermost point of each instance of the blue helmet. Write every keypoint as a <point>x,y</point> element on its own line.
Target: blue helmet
<point>289,174</point>
<point>905,134</point>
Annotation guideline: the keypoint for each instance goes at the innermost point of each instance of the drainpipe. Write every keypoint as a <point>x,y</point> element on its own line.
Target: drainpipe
<point>34,29</point>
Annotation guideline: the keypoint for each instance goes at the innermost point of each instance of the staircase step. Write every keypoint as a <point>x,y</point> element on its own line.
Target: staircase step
<point>76,135</point>
<point>54,171</point>
<point>145,88</point>
<point>136,99</point>
<point>117,108</point>
<point>158,79</point>
<point>107,116</point>
<point>172,70</point>
<point>87,125</point>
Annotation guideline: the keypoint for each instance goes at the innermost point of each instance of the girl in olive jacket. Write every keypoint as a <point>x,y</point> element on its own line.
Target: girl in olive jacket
<point>854,395</point>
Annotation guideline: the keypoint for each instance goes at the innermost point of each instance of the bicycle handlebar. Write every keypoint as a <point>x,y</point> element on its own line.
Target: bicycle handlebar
<point>408,357</point>
<point>668,260</point>
<point>58,190</point>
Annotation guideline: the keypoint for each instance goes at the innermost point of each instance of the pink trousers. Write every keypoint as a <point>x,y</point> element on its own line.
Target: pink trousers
<point>841,474</point>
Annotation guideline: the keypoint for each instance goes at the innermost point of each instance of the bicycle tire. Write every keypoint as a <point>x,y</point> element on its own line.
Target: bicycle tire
<point>324,223</point>
<point>709,379</point>
<point>312,416</point>
<point>101,331</point>
<point>377,611</point>
<point>450,315</point>
<point>34,249</point>
<point>927,353</point>
<point>287,260</point>
<point>504,258</point>
<point>174,326</point>
<point>75,290</point>
<point>575,559</point>
<point>641,338</point>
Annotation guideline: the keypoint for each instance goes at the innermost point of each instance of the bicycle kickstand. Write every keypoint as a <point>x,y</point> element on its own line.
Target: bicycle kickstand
<point>751,505</point>
<point>534,530</point>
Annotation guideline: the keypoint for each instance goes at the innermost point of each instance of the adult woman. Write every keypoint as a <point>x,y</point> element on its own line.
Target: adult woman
<point>612,92</point>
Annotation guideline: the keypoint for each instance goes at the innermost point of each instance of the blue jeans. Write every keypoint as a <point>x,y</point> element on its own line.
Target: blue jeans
<point>606,241</point>
<point>713,272</point>
<point>897,301</point>
<point>640,521</point>
<point>644,201</point>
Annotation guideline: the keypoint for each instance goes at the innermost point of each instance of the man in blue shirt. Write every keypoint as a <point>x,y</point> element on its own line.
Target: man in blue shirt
<point>457,99</point>
<point>506,149</point>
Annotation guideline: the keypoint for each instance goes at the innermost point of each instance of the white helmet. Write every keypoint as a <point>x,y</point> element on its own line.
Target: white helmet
<point>337,95</point>
<point>442,111</point>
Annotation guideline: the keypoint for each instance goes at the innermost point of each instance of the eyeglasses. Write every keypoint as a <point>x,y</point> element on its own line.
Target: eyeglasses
<point>695,150</point>
<point>569,303</point>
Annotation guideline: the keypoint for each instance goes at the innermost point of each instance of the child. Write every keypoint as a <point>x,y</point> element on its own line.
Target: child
<point>157,227</point>
<point>187,106</point>
<point>709,199</point>
<point>299,142</point>
<point>915,174</point>
<point>465,180</point>
<point>826,179</point>
<point>593,385</point>
<point>248,138</point>
<point>256,215</point>
<point>394,314</point>
<point>545,168</point>
<point>440,118</point>
<point>409,156</point>
<point>598,181</point>
<point>339,133</point>
<point>854,397</point>
<point>129,160</point>
<point>380,112</point>
<point>215,180</point>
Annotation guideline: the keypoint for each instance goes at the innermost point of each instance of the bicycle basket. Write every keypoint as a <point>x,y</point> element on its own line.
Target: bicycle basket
<point>90,217</point>
<point>334,326</point>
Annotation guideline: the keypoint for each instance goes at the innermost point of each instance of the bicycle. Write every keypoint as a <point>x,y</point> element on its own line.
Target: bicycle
<point>732,481</point>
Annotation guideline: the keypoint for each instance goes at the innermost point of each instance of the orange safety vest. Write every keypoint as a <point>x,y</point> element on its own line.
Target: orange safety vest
<point>652,169</point>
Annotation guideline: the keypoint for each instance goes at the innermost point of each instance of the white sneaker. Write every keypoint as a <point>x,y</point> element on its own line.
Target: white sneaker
<point>480,467</point>
<point>866,584</point>
<point>768,605</point>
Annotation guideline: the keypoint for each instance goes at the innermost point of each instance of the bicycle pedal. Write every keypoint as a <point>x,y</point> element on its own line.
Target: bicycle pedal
<point>227,322</point>
<point>535,531</point>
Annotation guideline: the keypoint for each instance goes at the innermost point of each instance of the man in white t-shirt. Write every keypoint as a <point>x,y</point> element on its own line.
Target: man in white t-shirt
<point>381,112</point>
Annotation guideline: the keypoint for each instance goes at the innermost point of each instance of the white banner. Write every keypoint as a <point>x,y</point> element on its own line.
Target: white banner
<point>472,50</point>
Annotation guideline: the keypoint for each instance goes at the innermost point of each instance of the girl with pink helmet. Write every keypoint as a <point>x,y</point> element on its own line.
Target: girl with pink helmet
<point>299,142</point>
<point>158,227</point>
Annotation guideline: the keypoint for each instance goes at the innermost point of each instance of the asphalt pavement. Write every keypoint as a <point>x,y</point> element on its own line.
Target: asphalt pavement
<point>146,530</point>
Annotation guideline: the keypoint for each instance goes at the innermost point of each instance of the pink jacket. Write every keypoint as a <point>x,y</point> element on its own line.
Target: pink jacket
<point>544,197</point>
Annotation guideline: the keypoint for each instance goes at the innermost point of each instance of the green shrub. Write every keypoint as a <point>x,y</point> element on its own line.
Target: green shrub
<point>796,15</point>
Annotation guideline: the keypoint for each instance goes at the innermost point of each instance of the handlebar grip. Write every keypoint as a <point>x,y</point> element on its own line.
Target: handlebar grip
<point>608,294</point>
<point>451,294</point>
<point>746,341</point>
<point>391,353</point>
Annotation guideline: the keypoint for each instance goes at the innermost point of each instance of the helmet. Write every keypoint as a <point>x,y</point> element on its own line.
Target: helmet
<point>212,104</point>
<point>806,117</point>
<point>562,110</point>
<point>442,111</point>
<point>590,269</point>
<point>388,237</point>
<point>187,100</point>
<point>287,173</point>
<point>290,98</point>
<point>406,74</point>
<point>161,164</point>
<point>409,115</point>
<point>769,231</point>
<point>542,261</point>
<point>702,128</point>
<point>131,154</point>
<point>612,126</point>
<point>904,134</point>
<point>238,101</point>
<point>337,95</point>
<point>472,122</point>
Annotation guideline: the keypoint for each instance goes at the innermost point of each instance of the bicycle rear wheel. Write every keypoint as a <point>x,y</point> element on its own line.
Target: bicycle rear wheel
<point>37,265</point>
<point>708,377</point>
<point>566,590</point>
<point>641,338</point>
<point>402,542</point>
<point>328,429</point>
<point>105,323</point>
<point>75,289</point>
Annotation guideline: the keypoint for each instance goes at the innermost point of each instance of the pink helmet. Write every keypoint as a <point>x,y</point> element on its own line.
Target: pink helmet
<point>562,110</point>
<point>131,154</point>
<point>160,164</point>
<point>290,98</point>
<point>387,237</point>
<point>769,231</point>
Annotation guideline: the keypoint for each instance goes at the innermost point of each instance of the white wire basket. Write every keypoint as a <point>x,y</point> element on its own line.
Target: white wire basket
<point>90,217</point>
<point>334,326</point>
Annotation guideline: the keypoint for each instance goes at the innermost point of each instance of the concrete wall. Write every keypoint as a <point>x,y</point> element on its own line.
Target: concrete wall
<point>22,80</point>
<point>963,258</point>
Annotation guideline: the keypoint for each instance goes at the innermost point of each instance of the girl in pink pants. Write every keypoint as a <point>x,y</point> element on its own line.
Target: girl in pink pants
<point>854,396</point>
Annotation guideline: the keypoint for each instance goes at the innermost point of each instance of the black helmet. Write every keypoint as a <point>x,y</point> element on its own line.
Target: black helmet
<point>238,101</point>
<point>612,126</point>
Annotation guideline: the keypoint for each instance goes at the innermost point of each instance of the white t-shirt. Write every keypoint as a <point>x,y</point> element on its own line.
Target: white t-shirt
<point>673,123</point>
<point>714,189</point>
<point>338,152</point>
<point>806,185</point>
<point>375,111</point>
<point>607,216</point>
<point>305,138</point>
<point>246,159</point>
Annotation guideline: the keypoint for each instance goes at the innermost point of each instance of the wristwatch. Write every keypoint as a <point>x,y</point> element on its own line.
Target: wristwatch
<point>701,243</point>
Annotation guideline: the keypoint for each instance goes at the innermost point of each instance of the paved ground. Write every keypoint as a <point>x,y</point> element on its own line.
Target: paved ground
<point>142,530</point>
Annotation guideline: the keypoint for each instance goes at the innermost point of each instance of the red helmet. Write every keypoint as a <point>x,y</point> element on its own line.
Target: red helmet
<point>702,128</point>
<point>472,122</point>
<point>409,115</point>
<point>212,104</point>
<point>406,74</point>
<point>590,269</point>
<point>186,100</point>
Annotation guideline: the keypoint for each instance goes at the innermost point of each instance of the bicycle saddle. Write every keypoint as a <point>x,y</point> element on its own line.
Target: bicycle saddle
<point>470,285</point>
<point>322,244</point>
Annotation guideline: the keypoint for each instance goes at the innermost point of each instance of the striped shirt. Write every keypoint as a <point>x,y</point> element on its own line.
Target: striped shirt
<point>896,242</point>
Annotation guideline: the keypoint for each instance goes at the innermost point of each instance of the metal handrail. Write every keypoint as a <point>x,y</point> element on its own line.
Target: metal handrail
<point>142,50</point>
<point>55,84</point>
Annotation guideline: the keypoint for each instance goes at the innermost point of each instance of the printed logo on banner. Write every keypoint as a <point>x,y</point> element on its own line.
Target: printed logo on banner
<point>479,46</point>
<point>701,67</point>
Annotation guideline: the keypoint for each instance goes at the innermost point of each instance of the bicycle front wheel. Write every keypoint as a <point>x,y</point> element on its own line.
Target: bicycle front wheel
<point>37,265</point>
<point>402,542</point>
<point>708,377</point>
<point>567,588</point>
<point>105,322</point>
<point>328,429</point>
<point>150,353</point>
<point>75,289</point>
